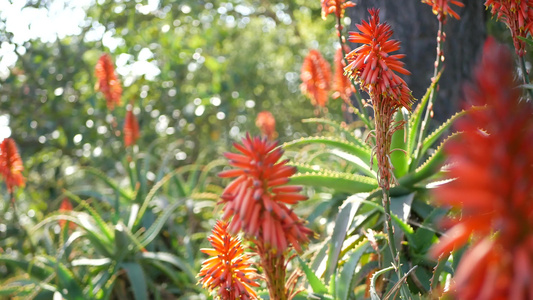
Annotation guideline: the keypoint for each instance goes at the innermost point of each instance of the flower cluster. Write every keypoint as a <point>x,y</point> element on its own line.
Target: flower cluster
<point>342,86</point>
<point>108,82</point>
<point>11,165</point>
<point>517,15</point>
<point>493,186</point>
<point>257,199</point>
<point>373,66</point>
<point>441,8</point>
<point>131,127</point>
<point>228,270</point>
<point>267,124</point>
<point>336,7</point>
<point>316,78</point>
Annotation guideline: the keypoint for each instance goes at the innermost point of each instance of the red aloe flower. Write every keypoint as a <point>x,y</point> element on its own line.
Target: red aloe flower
<point>11,165</point>
<point>258,198</point>
<point>316,78</point>
<point>228,270</point>
<point>336,7</point>
<point>517,15</point>
<point>441,8</point>
<point>341,85</point>
<point>267,124</point>
<point>131,128</point>
<point>493,167</point>
<point>108,83</point>
<point>66,206</point>
<point>373,66</point>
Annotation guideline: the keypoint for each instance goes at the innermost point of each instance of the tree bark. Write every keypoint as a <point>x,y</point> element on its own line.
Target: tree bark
<point>416,27</point>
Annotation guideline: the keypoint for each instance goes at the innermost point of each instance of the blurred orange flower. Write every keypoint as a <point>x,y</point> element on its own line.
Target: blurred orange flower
<point>493,167</point>
<point>341,85</point>
<point>11,165</point>
<point>373,66</point>
<point>267,124</point>
<point>108,82</point>
<point>66,206</point>
<point>517,15</point>
<point>336,7</point>
<point>229,267</point>
<point>131,128</point>
<point>316,78</point>
<point>258,198</point>
<point>441,8</point>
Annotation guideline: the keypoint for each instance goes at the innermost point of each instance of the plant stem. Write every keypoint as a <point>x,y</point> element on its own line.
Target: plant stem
<point>433,95</point>
<point>392,246</point>
<point>273,264</point>
<point>525,75</point>
<point>361,113</point>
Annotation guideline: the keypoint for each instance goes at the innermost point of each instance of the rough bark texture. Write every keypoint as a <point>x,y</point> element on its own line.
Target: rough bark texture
<point>416,27</point>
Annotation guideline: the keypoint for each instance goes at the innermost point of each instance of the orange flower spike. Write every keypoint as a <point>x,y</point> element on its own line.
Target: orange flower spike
<point>257,198</point>
<point>336,7</point>
<point>316,78</point>
<point>108,82</point>
<point>11,166</point>
<point>229,269</point>
<point>441,8</point>
<point>342,86</point>
<point>517,15</point>
<point>493,167</point>
<point>373,66</point>
<point>65,206</point>
<point>131,128</point>
<point>267,124</point>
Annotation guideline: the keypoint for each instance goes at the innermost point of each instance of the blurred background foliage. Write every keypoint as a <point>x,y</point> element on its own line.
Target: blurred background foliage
<point>197,72</point>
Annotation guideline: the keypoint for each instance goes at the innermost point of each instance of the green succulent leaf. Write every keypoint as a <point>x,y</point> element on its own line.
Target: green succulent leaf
<point>399,155</point>
<point>338,181</point>
<point>428,168</point>
<point>373,293</point>
<point>137,280</point>
<point>316,284</point>
<point>342,224</point>
<point>364,153</point>
<point>345,280</point>
<point>435,135</point>
<point>415,122</point>
<point>347,133</point>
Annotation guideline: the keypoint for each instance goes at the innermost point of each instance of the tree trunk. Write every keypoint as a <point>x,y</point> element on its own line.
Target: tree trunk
<point>416,27</point>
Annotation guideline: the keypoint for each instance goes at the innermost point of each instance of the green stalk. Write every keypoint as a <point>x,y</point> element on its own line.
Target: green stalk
<point>360,113</point>
<point>525,75</point>
<point>433,94</point>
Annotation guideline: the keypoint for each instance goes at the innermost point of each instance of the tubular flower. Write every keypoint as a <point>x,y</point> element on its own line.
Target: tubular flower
<point>341,85</point>
<point>257,199</point>
<point>441,8</point>
<point>316,78</point>
<point>336,7</point>
<point>131,128</point>
<point>493,167</point>
<point>11,165</point>
<point>517,15</point>
<point>229,267</point>
<point>373,67</point>
<point>267,124</point>
<point>66,206</point>
<point>107,82</point>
